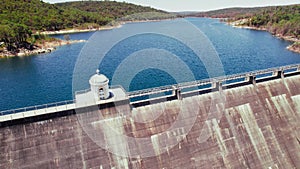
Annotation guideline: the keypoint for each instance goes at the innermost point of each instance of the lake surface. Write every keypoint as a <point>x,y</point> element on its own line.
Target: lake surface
<point>46,78</point>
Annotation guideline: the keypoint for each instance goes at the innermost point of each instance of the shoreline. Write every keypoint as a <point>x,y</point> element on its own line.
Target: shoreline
<point>46,47</point>
<point>295,47</point>
<point>101,28</point>
<point>71,31</point>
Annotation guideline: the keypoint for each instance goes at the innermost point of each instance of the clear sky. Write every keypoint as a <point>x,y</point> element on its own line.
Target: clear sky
<point>201,5</point>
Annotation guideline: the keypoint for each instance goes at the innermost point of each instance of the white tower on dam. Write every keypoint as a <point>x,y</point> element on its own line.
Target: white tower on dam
<point>100,92</point>
<point>99,86</point>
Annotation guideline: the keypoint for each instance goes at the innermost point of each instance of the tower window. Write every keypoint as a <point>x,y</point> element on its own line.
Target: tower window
<point>101,93</point>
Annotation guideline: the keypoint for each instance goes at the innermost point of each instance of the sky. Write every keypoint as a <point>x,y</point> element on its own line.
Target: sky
<point>200,5</point>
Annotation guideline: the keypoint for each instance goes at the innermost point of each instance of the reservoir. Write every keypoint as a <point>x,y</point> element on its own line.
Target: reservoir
<point>47,78</point>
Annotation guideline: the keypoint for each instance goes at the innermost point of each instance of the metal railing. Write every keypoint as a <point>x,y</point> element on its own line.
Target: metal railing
<point>37,107</point>
<point>150,91</point>
<point>203,82</point>
<point>118,87</point>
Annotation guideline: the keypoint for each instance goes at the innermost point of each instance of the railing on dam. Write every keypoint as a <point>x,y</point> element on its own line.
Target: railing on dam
<point>225,80</point>
<point>63,105</point>
<point>176,89</point>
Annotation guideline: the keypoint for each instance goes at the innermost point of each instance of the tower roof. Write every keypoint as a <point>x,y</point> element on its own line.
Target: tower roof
<point>98,79</point>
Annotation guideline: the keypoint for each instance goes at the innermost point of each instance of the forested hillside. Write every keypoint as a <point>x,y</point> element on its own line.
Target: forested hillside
<point>19,18</point>
<point>226,13</point>
<point>109,9</point>
<point>283,20</point>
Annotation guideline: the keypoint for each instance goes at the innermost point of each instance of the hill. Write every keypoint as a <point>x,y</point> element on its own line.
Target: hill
<point>38,15</point>
<point>109,9</point>
<point>282,21</point>
<point>226,13</point>
<point>20,18</point>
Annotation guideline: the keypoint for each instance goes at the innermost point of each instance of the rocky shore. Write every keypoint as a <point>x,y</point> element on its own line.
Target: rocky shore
<point>295,47</point>
<point>76,30</point>
<point>70,31</point>
<point>39,48</point>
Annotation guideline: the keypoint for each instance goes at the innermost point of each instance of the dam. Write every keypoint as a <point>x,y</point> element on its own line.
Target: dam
<point>248,120</point>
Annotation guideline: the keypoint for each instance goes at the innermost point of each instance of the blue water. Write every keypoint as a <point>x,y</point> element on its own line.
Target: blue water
<point>40,79</point>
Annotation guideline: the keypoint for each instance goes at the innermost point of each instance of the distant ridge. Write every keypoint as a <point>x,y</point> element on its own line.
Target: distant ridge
<point>224,13</point>
<point>234,12</point>
<point>281,21</point>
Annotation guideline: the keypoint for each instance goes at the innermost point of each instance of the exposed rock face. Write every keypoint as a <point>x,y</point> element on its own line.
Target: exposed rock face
<point>251,127</point>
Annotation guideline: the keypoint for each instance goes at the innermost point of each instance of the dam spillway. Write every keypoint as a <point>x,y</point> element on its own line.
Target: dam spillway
<point>253,124</point>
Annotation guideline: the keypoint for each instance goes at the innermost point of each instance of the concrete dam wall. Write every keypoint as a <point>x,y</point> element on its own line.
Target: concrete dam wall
<point>251,126</point>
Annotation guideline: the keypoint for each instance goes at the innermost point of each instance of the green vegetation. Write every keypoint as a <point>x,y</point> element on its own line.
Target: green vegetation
<point>20,18</point>
<point>226,13</point>
<point>282,20</point>
<point>110,10</point>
